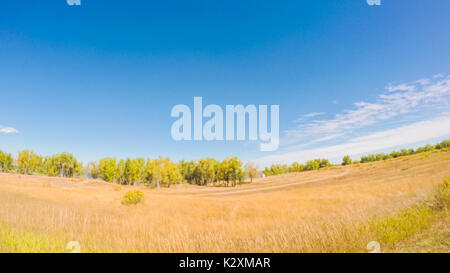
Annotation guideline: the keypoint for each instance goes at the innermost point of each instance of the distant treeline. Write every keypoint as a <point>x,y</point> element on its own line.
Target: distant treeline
<point>156,172</point>
<point>30,163</point>
<point>163,171</point>
<point>346,160</point>
<point>296,167</point>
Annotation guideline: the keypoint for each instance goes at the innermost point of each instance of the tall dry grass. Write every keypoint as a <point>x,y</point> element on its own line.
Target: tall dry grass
<point>41,214</point>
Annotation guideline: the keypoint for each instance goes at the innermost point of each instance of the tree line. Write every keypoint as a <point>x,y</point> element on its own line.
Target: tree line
<point>316,164</point>
<point>28,162</point>
<point>310,165</point>
<point>164,172</point>
<point>154,172</point>
<point>346,160</point>
<point>160,171</point>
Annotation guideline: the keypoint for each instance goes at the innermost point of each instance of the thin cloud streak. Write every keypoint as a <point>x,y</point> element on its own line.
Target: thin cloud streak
<point>313,114</point>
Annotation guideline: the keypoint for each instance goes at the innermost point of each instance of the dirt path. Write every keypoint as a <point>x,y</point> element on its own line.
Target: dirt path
<point>271,187</point>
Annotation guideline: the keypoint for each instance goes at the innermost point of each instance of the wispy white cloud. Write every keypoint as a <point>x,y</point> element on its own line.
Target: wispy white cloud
<point>408,134</point>
<point>404,87</point>
<point>8,130</point>
<point>308,116</point>
<point>314,141</point>
<point>399,99</point>
<point>313,114</point>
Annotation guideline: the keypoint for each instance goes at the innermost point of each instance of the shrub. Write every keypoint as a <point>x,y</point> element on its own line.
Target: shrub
<point>324,163</point>
<point>276,169</point>
<point>393,228</point>
<point>132,197</point>
<point>296,167</point>
<point>443,144</point>
<point>346,160</point>
<point>441,199</point>
<point>447,182</point>
<point>312,165</point>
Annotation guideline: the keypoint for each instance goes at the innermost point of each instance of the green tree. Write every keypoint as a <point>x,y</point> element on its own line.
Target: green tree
<point>234,171</point>
<point>120,172</point>
<point>277,169</point>
<point>324,163</point>
<point>6,161</point>
<point>50,166</point>
<point>153,172</point>
<point>162,171</point>
<point>28,162</point>
<point>267,171</point>
<point>137,170</point>
<point>63,164</point>
<point>108,168</point>
<point>312,165</point>
<point>127,174</point>
<point>297,167</point>
<point>443,144</point>
<point>251,170</point>
<point>393,154</point>
<point>187,170</point>
<point>224,171</point>
<point>94,170</point>
<point>205,171</point>
<point>346,160</point>
<point>172,172</point>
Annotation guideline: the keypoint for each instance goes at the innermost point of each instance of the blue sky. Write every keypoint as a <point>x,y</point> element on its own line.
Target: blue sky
<point>100,79</point>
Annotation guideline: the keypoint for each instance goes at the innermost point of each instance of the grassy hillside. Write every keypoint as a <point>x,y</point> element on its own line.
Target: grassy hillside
<point>335,209</point>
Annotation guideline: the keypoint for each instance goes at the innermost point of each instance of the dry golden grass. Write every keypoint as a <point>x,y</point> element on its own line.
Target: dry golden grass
<point>274,214</point>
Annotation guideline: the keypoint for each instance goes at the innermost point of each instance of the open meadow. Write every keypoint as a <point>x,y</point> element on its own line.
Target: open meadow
<point>335,209</point>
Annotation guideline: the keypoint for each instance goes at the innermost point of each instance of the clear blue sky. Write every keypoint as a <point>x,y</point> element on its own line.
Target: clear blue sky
<point>100,79</point>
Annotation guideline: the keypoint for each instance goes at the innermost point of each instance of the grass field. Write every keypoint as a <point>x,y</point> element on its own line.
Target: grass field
<point>337,209</point>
